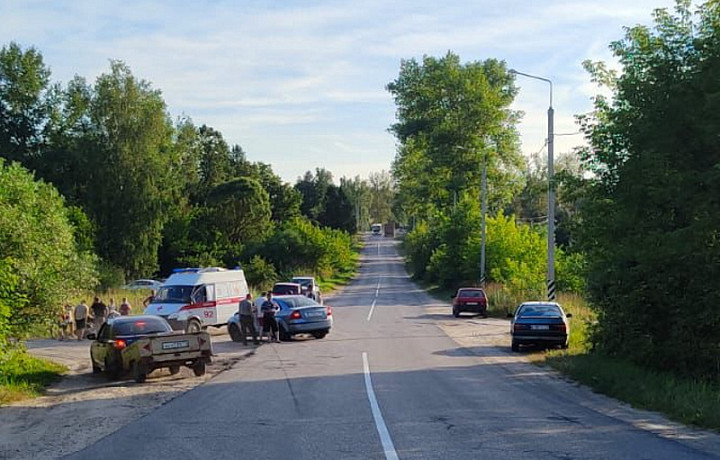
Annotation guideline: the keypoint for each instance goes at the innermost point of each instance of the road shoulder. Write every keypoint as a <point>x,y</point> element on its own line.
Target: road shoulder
<point>83,408</point>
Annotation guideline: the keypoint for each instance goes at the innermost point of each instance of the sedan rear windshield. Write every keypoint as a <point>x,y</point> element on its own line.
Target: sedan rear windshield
<point>540,310</point>
<point>299,301</point>
<point>471,293</point>
<point>142,326</point>
<point>173,294</point>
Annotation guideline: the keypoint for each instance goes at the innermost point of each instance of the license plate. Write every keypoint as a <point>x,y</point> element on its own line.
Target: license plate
<point>314,314</point>
<point>471,303</point>
<point>175,345</point>
<point>540,327</point>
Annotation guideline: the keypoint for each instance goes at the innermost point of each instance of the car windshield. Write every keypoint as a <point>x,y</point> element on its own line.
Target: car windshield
<point>173,294</point>
<point>470,293</point>
<point>142,326</point>
<point>302,282</point>
<point>540,310</point>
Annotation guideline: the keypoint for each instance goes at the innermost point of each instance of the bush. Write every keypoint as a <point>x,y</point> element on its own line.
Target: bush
<point>37,239</point>
<point>260,274</point>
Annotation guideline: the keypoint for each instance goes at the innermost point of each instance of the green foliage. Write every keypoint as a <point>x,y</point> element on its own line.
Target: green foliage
<point>451,119</point>
<point>24,81</point>
<point>260,274</point>
<point>651,223</point>
<point>298,246</point>
<point>37,241</point>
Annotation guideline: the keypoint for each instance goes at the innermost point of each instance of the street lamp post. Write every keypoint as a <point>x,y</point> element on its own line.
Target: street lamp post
<point>551,191</point>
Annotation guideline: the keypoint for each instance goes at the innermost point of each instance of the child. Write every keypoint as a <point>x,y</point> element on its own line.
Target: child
<point>65,322</point>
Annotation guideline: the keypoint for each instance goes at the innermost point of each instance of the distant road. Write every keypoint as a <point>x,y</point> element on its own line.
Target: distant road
<point>388,382</point>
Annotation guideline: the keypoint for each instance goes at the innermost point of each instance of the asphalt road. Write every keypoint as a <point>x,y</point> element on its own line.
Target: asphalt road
<point>389,383</point>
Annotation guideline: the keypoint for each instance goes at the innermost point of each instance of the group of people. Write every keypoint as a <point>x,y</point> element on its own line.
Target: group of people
<point>75,321</point>
<point>248,313</point>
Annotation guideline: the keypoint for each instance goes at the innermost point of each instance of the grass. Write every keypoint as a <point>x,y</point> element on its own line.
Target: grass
<point>23,376</point>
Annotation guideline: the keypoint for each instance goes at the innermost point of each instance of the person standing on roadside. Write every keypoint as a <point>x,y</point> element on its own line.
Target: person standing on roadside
<point>65,322</point>
<point>100,312</point>
<point>112,309</point>
<point>270,324</point>
<point>81,316</point>
<point>247,312</point>
<point>125,307</point>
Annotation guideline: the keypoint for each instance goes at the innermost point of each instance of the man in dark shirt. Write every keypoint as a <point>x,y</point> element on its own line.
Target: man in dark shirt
<point>268,309</point>
<point>247,313</point>
<point>100,312</point>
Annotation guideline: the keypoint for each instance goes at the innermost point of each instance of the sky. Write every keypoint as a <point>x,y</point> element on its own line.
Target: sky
<point>301,84</point>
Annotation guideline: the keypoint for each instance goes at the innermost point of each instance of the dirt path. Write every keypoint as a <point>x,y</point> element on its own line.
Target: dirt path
<point>82,407</point>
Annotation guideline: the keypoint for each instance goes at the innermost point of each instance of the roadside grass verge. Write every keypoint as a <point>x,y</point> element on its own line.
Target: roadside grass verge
<point>685,400</point>
<point>24,376</point>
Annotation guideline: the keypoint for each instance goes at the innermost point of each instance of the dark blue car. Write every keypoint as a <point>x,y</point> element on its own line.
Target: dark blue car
<point>539,323</point>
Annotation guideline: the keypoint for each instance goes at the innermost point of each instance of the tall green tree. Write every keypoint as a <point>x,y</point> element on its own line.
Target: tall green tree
<point>132,170</point>
<point>453,118</point>
<point>382,196</point>
<point>653,218</point>
<point>24,103</point>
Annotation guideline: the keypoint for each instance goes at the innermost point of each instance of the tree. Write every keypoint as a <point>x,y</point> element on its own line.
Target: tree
<point>240,210</point>
<point>451,119</point>
<point>132,178</point>
<point>42,262</point>
<point>24,107</point>
<point>382,195</point>
<point>651,221</point>
<point>313,188</point>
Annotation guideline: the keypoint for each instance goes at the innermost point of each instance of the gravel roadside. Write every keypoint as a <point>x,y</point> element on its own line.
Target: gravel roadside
<point>83,408</point>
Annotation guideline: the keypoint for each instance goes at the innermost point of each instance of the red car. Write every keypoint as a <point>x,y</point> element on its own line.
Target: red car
<point>470,299</point>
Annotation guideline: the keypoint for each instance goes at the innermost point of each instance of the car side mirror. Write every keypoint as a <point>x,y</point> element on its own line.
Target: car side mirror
<point>510,315</point>
<point>568,315</point>
<point>92,336</point>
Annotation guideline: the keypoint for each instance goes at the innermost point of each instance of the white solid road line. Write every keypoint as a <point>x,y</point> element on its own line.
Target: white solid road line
<point>388,446</point>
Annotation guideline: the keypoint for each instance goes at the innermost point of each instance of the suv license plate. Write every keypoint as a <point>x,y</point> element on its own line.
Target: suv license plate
<point>540,327</point>
<point>471,303</point>
<point>175,345</point>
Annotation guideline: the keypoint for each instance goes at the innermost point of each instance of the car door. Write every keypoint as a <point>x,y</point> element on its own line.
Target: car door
<point>101,346</point>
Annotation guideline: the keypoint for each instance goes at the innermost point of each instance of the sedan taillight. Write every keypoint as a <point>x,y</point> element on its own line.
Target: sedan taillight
<point>329,310</point>
<point>520,327</point>
<point>295,315</point>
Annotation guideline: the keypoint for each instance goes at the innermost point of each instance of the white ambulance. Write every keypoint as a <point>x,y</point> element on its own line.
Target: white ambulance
<point>192,299</point>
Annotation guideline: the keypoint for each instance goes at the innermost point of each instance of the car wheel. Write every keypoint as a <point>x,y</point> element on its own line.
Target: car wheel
<point>199,368</point>
<point>285,336</point>
<point>319,334</point>
<point>193,326</point>
<point>515,346</point>
<point>456,313</point>
<point>234,332</point>
<point>139,372</point>
<point>564,346</point>
<point>174,370</point>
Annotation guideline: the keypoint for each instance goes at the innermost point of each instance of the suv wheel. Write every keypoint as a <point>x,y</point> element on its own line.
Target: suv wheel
<point>456,313</point>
